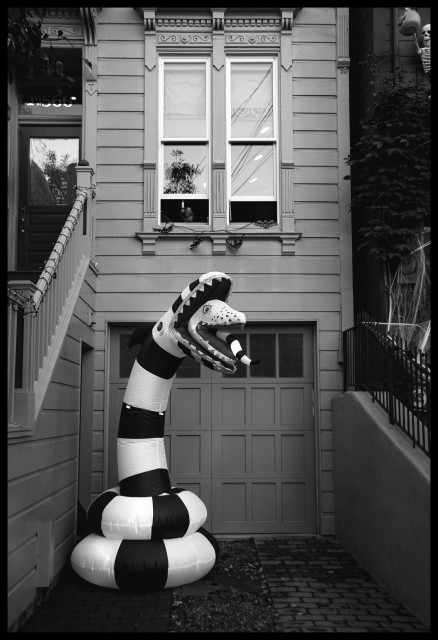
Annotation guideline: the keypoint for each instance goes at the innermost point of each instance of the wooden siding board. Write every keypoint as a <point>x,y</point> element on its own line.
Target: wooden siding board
<point>121,84</point>
<point>119,138</point>
<point>121,173</point>
<point>132,120</point>
<point>328,320</point>
<point>316,175</point>
<point>119,155</point>
<point>316,15</point>
<point>312,104</point>
<point>258,284</point>
<point>118,15</point>
<point>315,122</point>
<point>116,67</point>
<point>119,211</point>
<point>247,301</point>
<point>313,87</point>
<point>315,140</point>
<point>316,211</point>
<point>24,526</point>
<point>121,50</point>
<point>314,33</point>
<point>121,191</point>
<point>124,103</point>
<point>35,456</point>
<point>314,51</point>
<point>27,491</point>
<point>315,193</point>
<point>308,69</point>
<point>239,266</point>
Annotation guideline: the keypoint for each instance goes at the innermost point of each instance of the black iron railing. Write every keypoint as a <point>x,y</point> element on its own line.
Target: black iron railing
<point>398,380</point>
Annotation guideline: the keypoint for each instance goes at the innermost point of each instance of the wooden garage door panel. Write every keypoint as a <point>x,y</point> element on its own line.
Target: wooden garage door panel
<point>262,406</point>
<point>269,506</point>
<point>241,454</point>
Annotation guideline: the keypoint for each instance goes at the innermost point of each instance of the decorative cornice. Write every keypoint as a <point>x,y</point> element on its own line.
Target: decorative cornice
<point>252,39</point>
<point>184,39</point>
<point>219,239</point>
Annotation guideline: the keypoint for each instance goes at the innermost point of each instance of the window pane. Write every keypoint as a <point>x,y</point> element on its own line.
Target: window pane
<point>53,171</point>
<point>184,100</point>
<point>262,347</point>
<point>189,368</point>
<point>185,169</point>
<point>251,100</point>
<point>127,355</point>
<point>291,355</point>
<point>252,170</point>
<point>264,211</point>
<point>185,211</point>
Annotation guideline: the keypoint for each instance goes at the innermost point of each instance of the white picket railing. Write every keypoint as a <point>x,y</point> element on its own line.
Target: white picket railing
<point>47,308</point>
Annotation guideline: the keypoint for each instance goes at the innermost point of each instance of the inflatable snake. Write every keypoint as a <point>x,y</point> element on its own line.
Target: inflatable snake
<point>146,534</point>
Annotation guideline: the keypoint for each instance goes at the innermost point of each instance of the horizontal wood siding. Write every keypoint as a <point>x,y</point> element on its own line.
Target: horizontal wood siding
<point>43,469</point>
<point>268,286</point>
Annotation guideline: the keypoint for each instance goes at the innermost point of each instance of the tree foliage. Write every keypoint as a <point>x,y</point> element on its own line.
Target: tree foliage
<point>390,166</point>
<point>26,57</point>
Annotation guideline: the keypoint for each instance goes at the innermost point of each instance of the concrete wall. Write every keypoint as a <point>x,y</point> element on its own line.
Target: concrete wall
<point>382,500</point>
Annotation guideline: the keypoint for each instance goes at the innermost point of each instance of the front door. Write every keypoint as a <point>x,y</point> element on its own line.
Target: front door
<point>48,159</point>
<point>244,443</point>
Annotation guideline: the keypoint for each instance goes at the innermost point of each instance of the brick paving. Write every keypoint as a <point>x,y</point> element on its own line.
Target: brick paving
<point>316,587</point>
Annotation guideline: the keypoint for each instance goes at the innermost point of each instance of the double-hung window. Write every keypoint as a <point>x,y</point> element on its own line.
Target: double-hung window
<point>252,134</point>
<point>184,130</point>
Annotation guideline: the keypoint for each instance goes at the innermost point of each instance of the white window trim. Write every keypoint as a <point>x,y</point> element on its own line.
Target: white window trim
<point>274,140</point>
<point>162,141</point>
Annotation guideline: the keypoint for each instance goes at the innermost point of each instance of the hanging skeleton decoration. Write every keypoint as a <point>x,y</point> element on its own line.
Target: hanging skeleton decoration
<point>424,51</point>
<point>409,25</point>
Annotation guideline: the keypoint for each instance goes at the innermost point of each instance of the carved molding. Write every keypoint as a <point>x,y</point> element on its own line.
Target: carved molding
<point>252,39</point>
<point>184,39</point>
<point>342,39</point>
<point>70,31</point>
<point>89,18</point>
<point>219,239</point>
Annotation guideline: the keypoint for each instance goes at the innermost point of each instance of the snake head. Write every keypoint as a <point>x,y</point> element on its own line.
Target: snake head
<point>197,315</point>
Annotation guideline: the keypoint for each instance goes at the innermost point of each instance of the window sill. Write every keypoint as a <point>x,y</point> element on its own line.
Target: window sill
<point>219,238</point>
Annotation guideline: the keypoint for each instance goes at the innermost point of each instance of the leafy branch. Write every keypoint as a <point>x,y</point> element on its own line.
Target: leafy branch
<point>26,56</point>
<point>390,166</point>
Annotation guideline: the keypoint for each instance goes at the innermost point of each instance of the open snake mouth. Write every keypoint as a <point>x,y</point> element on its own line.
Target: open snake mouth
<point>202,321</point>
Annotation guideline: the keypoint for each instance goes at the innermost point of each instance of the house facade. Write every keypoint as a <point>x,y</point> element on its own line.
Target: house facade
<point>193,140</point>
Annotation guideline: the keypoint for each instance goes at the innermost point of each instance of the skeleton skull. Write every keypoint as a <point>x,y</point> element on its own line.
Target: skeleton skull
<point>425,32</point>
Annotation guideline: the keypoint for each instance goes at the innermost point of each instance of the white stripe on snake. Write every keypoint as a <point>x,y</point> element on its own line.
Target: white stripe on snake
<point>146,534</point>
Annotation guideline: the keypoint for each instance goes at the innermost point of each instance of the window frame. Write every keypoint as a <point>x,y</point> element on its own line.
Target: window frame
<point>274,140</point>
<point>173,141</point>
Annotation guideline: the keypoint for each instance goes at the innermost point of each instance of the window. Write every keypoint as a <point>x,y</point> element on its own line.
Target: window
<point>184,130</point>
<point>252,139</point>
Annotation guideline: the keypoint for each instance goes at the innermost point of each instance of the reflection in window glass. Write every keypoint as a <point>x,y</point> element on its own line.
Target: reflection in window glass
<point>262,347</point>
<point>251,100</point>
<point>241,368</point>
<point>291,355</point>
<point>185,169</point>
<point>184,100</point>
<point>127,355</point>
<point>52,171</point>
<point>252,170</point>
<point>189,368</point>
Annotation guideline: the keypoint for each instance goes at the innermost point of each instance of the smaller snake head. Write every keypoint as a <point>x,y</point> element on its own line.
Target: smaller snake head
<point>201,311</point>
<point>205,324</point>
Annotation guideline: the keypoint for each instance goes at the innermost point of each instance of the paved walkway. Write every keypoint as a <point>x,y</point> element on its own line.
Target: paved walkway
<point>316,586</point>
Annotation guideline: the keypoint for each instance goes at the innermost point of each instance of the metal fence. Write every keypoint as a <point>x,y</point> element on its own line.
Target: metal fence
<point>398,380</point>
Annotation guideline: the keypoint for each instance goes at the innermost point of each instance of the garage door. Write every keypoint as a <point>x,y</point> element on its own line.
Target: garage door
<point>244,443</point>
